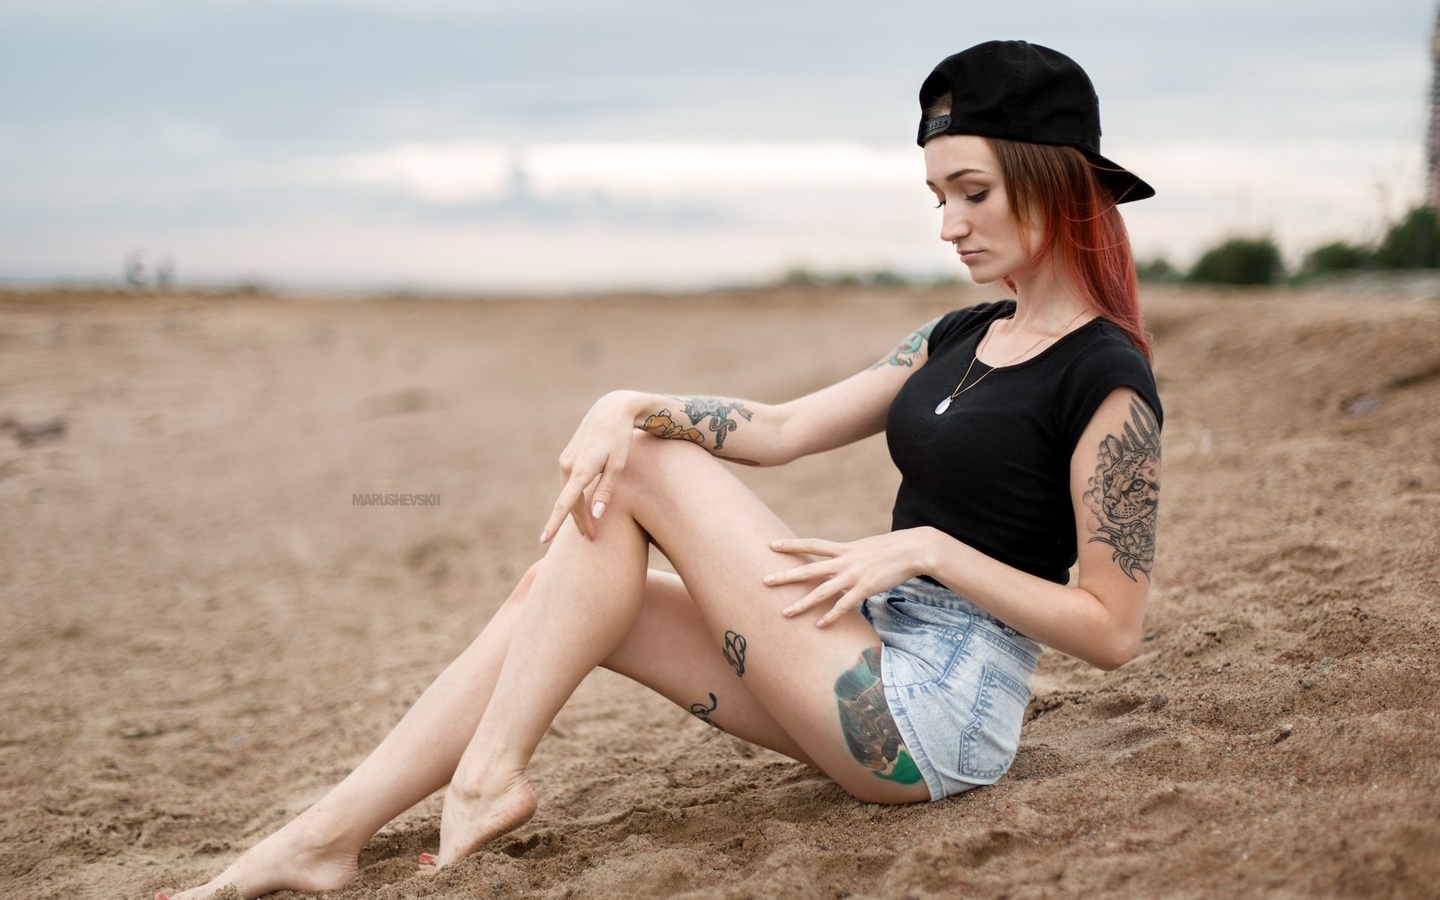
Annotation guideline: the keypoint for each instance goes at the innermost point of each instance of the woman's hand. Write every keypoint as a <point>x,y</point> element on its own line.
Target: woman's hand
<point>596,453</point>
<point>852,570</point>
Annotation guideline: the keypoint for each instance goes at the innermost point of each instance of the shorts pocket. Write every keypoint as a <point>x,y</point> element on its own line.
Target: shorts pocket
<point>924,644</point>
<point>988,744</point>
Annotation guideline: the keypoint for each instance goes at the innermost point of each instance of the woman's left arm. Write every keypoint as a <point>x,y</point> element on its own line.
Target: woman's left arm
<point>1114,487</point>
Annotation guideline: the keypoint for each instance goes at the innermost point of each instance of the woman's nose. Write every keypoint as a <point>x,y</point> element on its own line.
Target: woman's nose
<point>953,226</point>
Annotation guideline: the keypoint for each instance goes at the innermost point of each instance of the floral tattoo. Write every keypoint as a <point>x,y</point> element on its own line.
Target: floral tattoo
<point>1124,493</point>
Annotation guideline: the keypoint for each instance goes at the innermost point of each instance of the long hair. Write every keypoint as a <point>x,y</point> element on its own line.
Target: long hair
<point>1055,187</point>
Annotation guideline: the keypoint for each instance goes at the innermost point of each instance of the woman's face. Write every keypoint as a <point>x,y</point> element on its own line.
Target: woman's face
<point>977,217</point>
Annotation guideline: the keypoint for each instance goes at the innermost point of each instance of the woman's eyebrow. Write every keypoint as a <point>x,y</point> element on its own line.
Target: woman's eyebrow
<point>959,173</point>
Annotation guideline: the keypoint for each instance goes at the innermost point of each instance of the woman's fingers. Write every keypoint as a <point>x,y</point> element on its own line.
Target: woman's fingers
<point>842,598</point>
<point>813,546</point>
<point>605,489</point>
<point>570,502</point>
<point>807,572</point>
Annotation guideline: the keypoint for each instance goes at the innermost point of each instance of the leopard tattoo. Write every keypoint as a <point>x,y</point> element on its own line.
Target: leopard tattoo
<point>1124,493</point>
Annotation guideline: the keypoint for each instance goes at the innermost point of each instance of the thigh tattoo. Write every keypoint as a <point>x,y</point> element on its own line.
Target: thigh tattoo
<point>866,721</point>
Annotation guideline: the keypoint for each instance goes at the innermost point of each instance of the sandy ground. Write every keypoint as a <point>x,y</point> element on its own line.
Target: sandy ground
<point>199,632</point>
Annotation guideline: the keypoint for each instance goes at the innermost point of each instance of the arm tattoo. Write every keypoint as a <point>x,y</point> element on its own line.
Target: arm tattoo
<point>1125,492</point>
<point>662,425</point>
<point>905,352</point>
<point>718,411</point>
<point>869,728</point>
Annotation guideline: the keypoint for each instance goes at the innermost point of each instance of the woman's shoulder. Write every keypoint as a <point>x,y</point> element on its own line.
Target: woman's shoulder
<point>1109,347</point>
<point>1103,359</point>
<point>969,319</point>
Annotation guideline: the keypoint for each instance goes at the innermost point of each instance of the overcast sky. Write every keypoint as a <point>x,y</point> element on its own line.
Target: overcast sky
<point>557,144</point>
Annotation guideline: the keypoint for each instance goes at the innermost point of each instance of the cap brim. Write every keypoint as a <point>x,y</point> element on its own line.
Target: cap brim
<point>1124,185</point>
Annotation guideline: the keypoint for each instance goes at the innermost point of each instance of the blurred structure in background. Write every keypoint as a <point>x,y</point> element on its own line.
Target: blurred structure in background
<point>136,276</point>
<point>1432,139</point>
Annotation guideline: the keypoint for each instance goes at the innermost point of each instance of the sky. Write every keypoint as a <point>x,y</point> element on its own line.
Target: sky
<point>552,145</point>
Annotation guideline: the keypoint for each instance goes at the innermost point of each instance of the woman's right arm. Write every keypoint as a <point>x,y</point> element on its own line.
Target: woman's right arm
<point>741,431</point>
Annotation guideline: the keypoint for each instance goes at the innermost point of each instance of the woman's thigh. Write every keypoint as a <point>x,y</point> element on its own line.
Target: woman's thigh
<point>669,649</point>
<point>717,534</point>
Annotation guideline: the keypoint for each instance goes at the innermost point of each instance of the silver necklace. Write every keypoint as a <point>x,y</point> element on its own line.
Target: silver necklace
<point>962,387</point>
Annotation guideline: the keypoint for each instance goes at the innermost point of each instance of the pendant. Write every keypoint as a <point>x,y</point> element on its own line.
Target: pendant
<point>944,405</point>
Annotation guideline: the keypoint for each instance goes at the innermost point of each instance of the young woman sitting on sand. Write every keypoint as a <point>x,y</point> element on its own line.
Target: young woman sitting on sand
<point>1027,434</point>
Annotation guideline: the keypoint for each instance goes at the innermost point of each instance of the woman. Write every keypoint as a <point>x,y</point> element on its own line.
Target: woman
<point>1027,435</point>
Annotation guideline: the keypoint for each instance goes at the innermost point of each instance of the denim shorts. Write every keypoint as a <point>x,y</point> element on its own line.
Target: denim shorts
<point>957,681</point>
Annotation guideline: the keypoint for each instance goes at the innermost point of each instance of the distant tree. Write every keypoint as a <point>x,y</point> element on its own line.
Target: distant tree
<point>1157,271</point>
<point>1337,256</point>
<point>887,278</point>
<point>1239,260</point>
<point>799,276</point>
<point>1411,243</point>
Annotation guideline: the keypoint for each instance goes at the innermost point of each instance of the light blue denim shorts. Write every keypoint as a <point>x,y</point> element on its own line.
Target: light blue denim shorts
<point>957,681</point>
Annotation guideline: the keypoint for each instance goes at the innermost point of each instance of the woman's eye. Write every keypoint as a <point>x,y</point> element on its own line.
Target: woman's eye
<point>940,204</point>
<point>977,196</point>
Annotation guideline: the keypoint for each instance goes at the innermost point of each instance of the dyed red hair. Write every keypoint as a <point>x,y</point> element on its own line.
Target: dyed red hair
<point>1055,188</point>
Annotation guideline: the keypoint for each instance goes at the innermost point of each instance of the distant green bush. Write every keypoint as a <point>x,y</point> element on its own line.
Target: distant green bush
<point>1411,243</point>
<point>1239,260</point>
<point>1337,257</point>
<point>1157,271</point>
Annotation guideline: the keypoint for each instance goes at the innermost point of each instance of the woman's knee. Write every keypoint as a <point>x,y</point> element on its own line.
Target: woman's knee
<point>660,461</point>
<point>522,587</point>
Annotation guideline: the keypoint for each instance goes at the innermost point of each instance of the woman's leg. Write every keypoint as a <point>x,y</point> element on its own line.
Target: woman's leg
<point>318,850</point>
<point>669,651</point>
<point>584,602</point>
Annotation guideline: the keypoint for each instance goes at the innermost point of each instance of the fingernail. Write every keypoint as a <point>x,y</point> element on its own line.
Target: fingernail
<point>544,536</point>
<point>788,611</point>
<point>774,545</point>
<point>427,857</point>
<point>769,579</point>
<point>598,509</point>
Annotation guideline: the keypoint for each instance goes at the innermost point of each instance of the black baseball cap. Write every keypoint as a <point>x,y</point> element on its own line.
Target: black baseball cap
<point>1024,92</point>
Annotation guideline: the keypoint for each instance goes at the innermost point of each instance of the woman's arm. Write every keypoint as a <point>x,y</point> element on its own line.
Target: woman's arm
<point>743,431</point>
<point>1115,491</point>
<point>1115,488</point>
<point>762,434</point>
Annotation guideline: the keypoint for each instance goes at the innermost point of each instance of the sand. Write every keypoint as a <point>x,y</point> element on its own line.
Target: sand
<point>199,632</point>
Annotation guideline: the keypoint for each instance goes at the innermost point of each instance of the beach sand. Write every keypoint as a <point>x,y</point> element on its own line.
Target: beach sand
<point>200,632</point>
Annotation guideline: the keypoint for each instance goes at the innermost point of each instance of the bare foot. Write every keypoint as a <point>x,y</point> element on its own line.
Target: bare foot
<point>289,859</point>
<point>474,817</point>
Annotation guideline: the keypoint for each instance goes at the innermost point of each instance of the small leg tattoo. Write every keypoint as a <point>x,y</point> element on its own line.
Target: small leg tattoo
<point>735,652</point>
<point>866,721</point>
<point>702,712</point>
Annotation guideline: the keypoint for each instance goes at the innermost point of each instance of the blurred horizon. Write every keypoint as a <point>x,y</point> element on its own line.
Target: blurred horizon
<point>441,146</point>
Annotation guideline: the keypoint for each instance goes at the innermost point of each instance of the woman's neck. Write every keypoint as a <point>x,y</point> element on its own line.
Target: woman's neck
<point>1045,303</point>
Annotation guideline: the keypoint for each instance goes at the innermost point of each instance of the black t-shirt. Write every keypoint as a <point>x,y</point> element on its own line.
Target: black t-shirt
<point>993,470</point>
